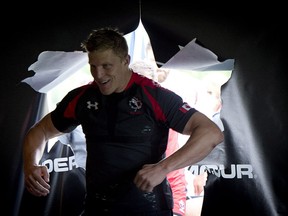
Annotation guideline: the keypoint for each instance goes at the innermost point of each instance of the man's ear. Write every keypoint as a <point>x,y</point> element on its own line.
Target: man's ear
<point>127,59</point>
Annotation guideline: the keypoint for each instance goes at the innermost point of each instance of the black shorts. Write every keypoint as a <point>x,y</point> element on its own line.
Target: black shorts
<point>127,199</point>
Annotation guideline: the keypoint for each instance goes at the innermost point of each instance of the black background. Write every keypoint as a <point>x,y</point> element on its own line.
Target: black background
<point>254,100</point>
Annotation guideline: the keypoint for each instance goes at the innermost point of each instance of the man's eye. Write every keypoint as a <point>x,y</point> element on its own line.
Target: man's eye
<point>107,66</point>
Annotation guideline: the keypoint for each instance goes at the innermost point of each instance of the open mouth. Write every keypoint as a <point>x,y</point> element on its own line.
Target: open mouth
<point>103,83</point>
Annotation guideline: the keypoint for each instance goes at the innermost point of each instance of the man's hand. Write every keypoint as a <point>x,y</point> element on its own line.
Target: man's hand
<point>149,176</point>
<point>36,180</point>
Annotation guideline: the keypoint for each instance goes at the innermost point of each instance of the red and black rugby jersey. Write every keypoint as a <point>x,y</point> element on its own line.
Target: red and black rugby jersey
<point>124,130</point>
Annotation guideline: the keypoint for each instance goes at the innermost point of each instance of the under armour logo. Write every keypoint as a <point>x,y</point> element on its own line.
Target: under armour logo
<point>90,105</point>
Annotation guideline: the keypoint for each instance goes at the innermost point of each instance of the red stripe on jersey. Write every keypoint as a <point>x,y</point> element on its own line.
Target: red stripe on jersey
<point>159,114</point>
<point>146,82</point>
<point>70,109</point>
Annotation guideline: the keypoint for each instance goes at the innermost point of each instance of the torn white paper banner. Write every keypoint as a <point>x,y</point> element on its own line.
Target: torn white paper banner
<point>197,58</point>
<point>53,67</point>
<point>138,42</point>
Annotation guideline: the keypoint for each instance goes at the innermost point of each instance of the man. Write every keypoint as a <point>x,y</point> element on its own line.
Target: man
<point>126,119</point>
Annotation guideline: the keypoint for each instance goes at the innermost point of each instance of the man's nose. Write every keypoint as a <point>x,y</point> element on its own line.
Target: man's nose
<point>98,73</point>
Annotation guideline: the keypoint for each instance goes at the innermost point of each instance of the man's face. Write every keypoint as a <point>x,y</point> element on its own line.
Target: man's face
<point>110,72</point>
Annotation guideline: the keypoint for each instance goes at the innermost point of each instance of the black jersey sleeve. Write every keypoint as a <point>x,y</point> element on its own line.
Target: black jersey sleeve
<point>176,110</point>
<point>63,116</point>
<point>170,108</point>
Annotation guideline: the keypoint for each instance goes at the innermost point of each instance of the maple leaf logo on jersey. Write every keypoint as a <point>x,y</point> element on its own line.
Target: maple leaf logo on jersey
<point>135,104</point>
<point>185,107</point>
